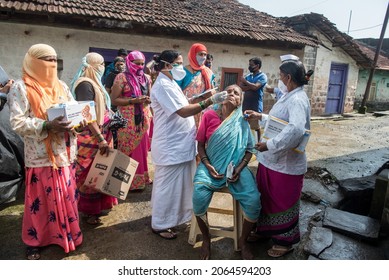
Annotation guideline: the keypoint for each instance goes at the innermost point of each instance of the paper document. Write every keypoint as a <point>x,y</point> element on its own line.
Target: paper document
<point>275,125</point>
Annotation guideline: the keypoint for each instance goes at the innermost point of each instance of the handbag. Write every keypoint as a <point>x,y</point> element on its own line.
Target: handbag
<point>116,121</point>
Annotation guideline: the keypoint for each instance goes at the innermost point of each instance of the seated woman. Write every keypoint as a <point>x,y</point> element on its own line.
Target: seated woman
<point>223,137</point>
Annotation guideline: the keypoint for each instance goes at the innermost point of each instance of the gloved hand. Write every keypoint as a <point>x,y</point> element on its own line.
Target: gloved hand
<point>219,97</point>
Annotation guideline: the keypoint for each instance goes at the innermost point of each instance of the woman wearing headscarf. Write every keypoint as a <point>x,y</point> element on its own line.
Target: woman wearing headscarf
<point>198,77</point>
<point>93,138</point>
<point>50,205</point>
<point>131,93</point>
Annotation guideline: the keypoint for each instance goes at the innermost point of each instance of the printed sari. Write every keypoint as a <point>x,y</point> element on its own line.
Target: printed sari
<point>228,144</point>
<point>133,140</point>
<point>280,205</point>
<point>91,201</point>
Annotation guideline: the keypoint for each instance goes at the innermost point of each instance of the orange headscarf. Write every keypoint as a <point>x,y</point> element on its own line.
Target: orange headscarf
<point>43,86</point>
<point>205,71</point>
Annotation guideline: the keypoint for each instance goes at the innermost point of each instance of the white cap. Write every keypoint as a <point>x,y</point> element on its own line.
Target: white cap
<point>288,57</point>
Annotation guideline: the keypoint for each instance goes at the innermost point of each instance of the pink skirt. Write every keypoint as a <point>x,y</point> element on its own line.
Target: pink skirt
<point>50,208</point>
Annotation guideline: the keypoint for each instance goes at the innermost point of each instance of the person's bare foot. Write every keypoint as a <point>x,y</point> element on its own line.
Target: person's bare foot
<point>205,249</point>
<point>246,251</point>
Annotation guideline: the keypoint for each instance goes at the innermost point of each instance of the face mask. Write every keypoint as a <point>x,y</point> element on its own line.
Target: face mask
<point>251,68</point>
<point>178,72</point>
<point>208,64</point>
<point>121,68</point>
<point>200,59</point>
<point>282,87</point>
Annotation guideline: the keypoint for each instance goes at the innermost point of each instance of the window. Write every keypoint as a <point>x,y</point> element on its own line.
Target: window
<point>230,76</point>
<point>372,92</point>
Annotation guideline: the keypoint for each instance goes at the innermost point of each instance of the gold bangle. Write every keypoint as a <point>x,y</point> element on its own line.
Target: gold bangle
<point>246,161</point>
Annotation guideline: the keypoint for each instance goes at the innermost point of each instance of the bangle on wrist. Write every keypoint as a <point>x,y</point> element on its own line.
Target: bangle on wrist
<point>202,105</point>
<point>45,125</point>
<point>100,137</point>
<point>204,158</point>
<point>246,161</point>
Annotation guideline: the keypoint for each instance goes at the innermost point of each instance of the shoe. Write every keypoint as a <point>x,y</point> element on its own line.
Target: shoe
<point>278,251</point>
<point>165,233</point>
<point>33,253</point>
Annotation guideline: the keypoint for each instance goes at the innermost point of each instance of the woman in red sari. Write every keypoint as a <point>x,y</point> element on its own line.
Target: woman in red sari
<point>131,93</point>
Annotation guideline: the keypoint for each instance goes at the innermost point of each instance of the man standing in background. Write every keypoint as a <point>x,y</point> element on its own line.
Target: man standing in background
<point>253,85</point>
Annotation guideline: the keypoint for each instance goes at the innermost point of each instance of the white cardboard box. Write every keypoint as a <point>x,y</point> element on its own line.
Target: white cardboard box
<point>112,175</point>
<point>74,112</point>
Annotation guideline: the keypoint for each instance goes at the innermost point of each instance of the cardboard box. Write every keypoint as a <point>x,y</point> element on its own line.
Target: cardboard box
<point>74,112</point>
<point>112,175</point>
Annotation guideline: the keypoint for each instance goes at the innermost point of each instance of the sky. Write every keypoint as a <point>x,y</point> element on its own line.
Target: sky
<point>366,20</point>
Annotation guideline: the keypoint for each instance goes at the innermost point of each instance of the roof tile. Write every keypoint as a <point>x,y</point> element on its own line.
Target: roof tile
<point>208,17</point>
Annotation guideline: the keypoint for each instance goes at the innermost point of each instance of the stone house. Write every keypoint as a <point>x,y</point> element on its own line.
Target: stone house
<point>336,63</point>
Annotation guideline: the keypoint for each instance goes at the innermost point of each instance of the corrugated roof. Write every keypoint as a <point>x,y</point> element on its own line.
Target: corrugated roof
<point>223,18</point>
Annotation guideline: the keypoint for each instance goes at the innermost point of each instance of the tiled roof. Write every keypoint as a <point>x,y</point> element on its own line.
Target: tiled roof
<point>219,18</point>
<point>369,51</point>
<point>303,23</point>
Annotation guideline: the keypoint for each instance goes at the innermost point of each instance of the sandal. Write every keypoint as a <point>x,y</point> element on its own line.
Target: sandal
<point>278,251</point>
<point>165,233</point>
<point>93,220</point>
<point>33,253</point>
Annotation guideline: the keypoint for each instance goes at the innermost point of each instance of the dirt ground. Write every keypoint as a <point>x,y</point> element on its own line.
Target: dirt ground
<point>347,147</point>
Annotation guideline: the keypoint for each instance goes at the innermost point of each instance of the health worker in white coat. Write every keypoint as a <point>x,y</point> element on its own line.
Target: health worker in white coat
<point>173,149</point>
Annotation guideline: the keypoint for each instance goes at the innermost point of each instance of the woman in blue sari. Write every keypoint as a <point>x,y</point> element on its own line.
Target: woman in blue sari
<point>223,137</point>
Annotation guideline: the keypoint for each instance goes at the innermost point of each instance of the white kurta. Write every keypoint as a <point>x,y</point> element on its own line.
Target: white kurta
<point>295,109</point>
<point>173,152</point>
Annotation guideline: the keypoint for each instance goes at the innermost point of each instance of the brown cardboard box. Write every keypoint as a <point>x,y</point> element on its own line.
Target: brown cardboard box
<point>112,175</point>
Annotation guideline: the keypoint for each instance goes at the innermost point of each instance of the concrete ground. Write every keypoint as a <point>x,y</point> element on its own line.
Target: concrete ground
<point>349,147</point>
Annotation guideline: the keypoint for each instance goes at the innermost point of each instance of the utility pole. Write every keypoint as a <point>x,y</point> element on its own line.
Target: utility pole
<point>362,109</point>
<point>349,22</point>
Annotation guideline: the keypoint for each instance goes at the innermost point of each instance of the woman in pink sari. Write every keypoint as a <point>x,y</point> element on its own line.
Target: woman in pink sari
<point>131,93</point>
<point>50,202</point>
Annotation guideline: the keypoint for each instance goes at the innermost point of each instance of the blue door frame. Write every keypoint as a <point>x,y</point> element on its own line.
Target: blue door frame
<point>336,88</point>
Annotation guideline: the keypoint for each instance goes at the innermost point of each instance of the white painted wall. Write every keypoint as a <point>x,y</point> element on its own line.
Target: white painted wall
<point>72,44</point>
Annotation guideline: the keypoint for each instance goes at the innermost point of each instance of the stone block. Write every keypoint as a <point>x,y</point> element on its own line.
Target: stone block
<point>318,240</point>
<point>351,224</point>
